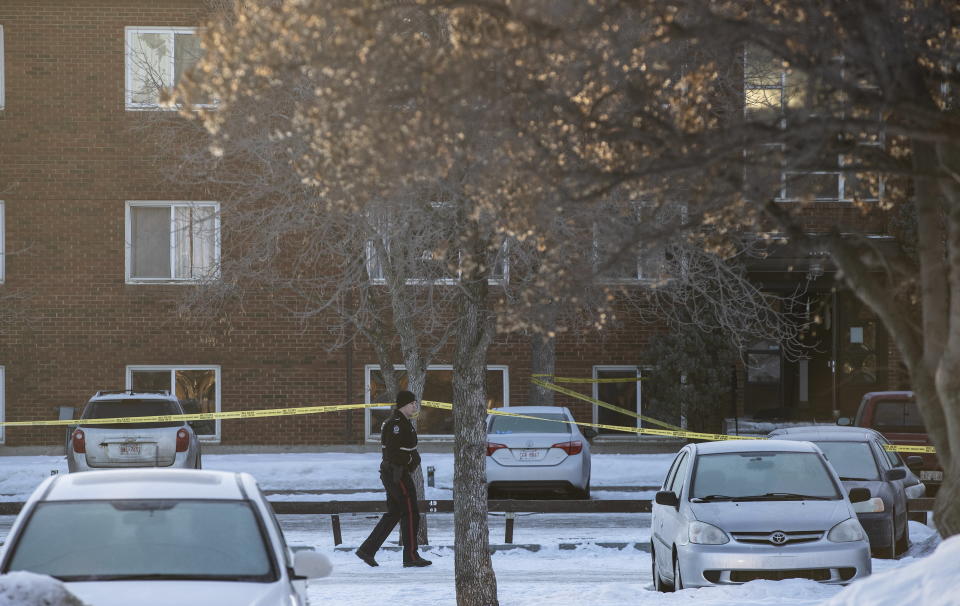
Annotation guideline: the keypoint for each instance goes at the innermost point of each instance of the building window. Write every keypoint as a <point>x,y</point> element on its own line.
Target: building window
<point>197,388</point>
<point>625,395</point>
<point>3,403</point>
<point>428,256</point>
<point>3,241</point>
<point>775,93</point>
<point>431,422</point>
<point>644,229</point>
<point>3,90</point>
<point>172,241</point>
<point>156,60</point>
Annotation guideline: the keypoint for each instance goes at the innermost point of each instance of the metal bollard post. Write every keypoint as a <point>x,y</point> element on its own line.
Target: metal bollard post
<point>337,536</point>
<point>430,470</point>
<point>508,531</point>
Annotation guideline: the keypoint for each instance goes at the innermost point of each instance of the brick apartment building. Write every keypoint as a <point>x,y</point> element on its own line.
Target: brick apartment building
<point>84,209</point>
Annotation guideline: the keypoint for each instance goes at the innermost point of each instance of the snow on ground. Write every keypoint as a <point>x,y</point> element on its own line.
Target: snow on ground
<point>344,471</point>
<point>589,573</point>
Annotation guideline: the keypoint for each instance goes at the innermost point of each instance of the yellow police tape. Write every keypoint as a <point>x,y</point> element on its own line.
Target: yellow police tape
<point>674,431</point>
<point>573,394</point>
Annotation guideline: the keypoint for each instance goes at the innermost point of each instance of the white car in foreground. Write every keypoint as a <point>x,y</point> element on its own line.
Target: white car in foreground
<point>160,536</point>
<point>542,451</point>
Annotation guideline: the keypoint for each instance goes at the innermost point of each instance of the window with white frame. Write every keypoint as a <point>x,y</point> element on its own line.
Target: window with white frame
<point>630,240</point>
<point>197,388</point>
<point>624,394</point>
<point>772,91</point>
<point>3,403</point>
<point>3,241</point>
<point>3,90</point>
<point>431,422</point>
<point>156,59</point>
<point>172,241</point>
<point>428,255</point>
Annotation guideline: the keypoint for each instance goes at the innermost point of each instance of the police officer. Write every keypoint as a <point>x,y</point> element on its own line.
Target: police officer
<point>398,444</point>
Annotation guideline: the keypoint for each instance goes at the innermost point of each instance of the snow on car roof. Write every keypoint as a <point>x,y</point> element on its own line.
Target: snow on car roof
<point>149,483</point>
<point>724,446</point>
<point>826,434</point>
<point>532,409</point>
<point>132,396</point>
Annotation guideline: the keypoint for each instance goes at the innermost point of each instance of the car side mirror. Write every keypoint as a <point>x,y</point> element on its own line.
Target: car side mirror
<point>668,498</point>
<point>914,462</point>
<point>589,432</point>
<point>310,564</point>
<point>845,421</point>
<point>892,475</point>
<point>859,495</point>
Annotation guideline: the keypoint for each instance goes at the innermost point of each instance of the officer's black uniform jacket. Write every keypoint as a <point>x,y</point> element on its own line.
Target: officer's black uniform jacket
<point>398,442</point>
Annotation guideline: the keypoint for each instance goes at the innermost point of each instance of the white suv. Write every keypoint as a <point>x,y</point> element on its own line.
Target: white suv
<point>94,445</point>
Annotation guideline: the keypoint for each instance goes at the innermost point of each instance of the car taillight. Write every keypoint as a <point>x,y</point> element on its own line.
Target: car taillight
<point>571,448</point>
<point>183,440</point>
<point>79,441</point>
<point>493,447</point>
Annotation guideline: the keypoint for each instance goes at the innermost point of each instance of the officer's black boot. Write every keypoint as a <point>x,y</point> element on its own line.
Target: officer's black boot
<point>419,563</point>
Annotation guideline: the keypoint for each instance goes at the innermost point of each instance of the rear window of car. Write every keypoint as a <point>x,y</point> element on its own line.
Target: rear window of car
<point>109,409</point>
<point>546,422</point>
<point>851,460</point>
<point>897,416</point>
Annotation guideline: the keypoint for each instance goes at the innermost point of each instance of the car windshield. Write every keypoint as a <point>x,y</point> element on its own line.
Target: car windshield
<point>851,460</point>
<point>897,416</point>
<point>144,539</point>
<point>546,422</point>
<point>109,409</point>
<point>762,476</point>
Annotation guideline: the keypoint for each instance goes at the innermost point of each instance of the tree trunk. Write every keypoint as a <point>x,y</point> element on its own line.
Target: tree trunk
<point>415,383</point>
<point>543,358</point>
<point>475,579</point>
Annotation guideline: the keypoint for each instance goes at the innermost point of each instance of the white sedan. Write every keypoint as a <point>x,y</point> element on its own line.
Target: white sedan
<point>545,453</point>
<point>160,536</point>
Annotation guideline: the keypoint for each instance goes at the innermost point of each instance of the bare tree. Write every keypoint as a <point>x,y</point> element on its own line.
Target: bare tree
<point>749,112</point>
<point>387,164</point>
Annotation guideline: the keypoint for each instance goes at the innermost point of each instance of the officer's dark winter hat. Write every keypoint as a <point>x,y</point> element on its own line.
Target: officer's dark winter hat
<point>404,398</point>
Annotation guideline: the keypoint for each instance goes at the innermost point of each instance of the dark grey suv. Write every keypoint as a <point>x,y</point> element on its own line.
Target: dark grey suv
<point>95,445</point>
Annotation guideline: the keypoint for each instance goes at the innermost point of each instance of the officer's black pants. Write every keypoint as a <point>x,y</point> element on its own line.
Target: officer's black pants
<point>402,508</point>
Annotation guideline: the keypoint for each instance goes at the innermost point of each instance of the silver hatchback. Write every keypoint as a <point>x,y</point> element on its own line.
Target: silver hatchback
<point>94,445</point>
<point>736,511</point>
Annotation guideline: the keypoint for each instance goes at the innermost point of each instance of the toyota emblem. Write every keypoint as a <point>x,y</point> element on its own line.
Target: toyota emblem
<point>778,538</point>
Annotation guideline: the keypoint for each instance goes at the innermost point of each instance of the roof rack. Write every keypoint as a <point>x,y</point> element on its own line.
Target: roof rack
<point>104,392</point>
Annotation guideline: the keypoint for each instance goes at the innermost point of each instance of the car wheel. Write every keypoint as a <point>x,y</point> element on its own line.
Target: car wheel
<point>677,578</point>
<point>658,582</point>
<point>199,464</point>
<point>585,493</point>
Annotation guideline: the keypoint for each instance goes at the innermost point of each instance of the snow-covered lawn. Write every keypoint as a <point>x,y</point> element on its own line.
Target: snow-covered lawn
<point>588,574</point>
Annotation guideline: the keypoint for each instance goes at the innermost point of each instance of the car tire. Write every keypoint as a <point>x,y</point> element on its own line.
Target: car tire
<point>659,584</point>
<point>199,464</point>
<point>585,493</point>
<point>677,577</point>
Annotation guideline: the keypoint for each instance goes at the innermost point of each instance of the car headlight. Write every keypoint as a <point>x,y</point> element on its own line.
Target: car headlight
<point>846,531</point>
<point>702,533</point>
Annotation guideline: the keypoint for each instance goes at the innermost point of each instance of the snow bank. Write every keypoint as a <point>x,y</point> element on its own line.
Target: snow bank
<point>930,581</point>
<point>29,589</point>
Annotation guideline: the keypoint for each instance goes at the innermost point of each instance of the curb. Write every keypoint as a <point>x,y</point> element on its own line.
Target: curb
<point>531,547</point>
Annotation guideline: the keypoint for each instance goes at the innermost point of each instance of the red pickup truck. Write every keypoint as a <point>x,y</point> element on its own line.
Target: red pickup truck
<point>895,415</point>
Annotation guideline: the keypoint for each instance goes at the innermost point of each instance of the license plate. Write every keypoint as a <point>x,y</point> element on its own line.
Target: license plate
<point>529,454</point>
<point>933,476</point>
<point>129,449</point>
